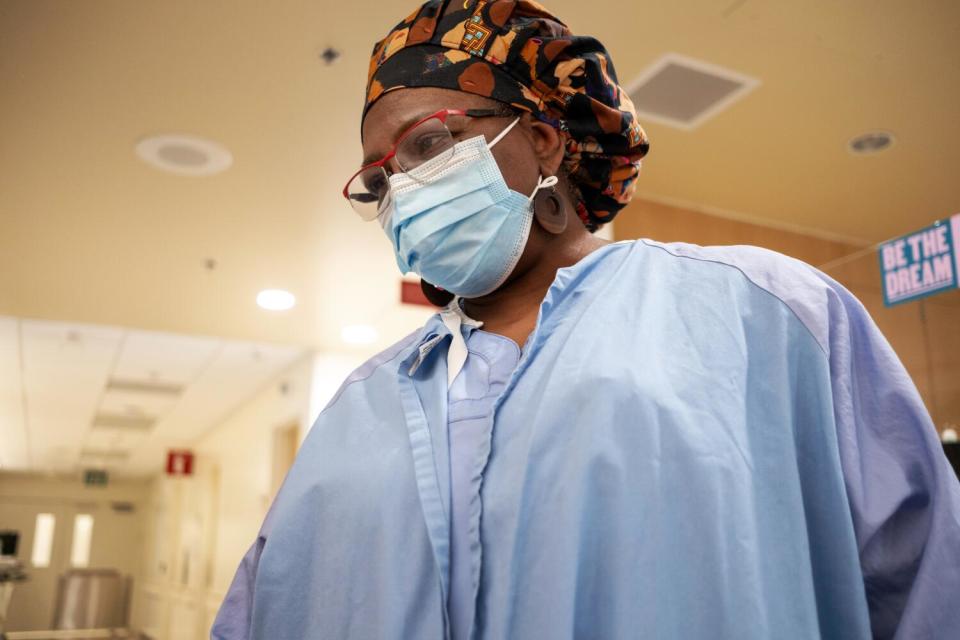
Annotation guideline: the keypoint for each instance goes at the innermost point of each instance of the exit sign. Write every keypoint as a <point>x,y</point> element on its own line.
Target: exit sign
<point>95,478</point>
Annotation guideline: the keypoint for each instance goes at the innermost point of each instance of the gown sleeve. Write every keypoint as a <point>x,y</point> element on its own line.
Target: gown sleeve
<point>904,496</point>
<point>233,618</point>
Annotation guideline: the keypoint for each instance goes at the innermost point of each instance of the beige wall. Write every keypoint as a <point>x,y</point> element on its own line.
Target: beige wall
<point>198,528</point>
<point>924,333</point>
<point>116,541</point>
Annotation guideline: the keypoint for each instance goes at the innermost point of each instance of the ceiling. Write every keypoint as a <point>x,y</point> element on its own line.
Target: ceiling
<point>89,233</point>
<point>79,396</point>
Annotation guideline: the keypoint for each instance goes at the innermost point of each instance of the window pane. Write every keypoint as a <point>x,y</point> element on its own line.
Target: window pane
<point>82,537</point>
<point>43,540</point>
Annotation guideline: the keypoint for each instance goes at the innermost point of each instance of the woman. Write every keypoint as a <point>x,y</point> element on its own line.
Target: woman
<point>591,440</point>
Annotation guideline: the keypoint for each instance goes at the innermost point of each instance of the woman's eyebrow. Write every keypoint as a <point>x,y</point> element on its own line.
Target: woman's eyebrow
<point>399,129</point>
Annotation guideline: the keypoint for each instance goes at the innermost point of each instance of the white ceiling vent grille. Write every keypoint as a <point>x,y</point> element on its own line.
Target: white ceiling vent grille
<point>103,456</point>
<point>129,423</point>
<point>684,93</point>
<point>137,386</point>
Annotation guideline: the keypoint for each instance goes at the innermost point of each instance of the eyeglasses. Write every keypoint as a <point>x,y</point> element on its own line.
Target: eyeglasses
<point>427,139</point>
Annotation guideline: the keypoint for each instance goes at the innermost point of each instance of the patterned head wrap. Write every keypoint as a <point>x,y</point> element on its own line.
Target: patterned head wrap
<point>516,52</point>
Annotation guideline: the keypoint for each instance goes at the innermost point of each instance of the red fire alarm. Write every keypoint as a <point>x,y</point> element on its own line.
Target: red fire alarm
<point>411,293</point>
<point>179,463</point>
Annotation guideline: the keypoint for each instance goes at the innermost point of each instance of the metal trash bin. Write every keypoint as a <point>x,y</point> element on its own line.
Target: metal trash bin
<point>92,599</point>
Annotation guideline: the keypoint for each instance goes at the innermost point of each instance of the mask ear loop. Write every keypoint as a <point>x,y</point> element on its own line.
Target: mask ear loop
<point>503,133</point>
<point>543,183</point>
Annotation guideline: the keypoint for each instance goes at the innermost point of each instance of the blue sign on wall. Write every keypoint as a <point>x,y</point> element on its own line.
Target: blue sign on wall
<point>921,263</point>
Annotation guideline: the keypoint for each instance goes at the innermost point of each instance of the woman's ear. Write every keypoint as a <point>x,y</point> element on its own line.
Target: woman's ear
<point>548,147</point>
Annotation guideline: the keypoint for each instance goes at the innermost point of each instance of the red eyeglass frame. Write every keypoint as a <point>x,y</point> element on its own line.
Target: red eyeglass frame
<point>441,115</point>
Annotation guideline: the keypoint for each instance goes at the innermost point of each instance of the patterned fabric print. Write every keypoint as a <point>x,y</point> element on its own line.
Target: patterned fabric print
<point>516,52</point>
<point>475,33</point>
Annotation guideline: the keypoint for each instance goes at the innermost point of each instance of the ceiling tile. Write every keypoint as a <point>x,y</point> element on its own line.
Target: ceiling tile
<point>76,372</point>
<point>65,369</point>
<point>134,404</point>
<point>164,358</point>
<point>115,439</point>
<point>67,346</point>
<point>240,370</point>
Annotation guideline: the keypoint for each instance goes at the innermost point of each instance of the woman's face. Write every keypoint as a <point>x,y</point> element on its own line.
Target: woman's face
<point>529,150</point>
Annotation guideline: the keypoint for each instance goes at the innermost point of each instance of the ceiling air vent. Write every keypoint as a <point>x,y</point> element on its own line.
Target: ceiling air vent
<point>684,93</point>
<point>103,456</point>
<point>127,423</point>
<point>137,386</point>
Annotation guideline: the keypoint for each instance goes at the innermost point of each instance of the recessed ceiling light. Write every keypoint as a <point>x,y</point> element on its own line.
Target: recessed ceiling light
<point>276,299</point>
<point>358,334</point>
<point>184,154</point>
<point>870,142</point>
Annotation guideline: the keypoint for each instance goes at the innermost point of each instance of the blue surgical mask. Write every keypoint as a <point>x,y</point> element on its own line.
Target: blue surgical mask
<point>455,222</point>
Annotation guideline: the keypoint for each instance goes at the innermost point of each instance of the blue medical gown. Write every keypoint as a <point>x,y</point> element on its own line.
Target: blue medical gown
<point>696,443</point>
